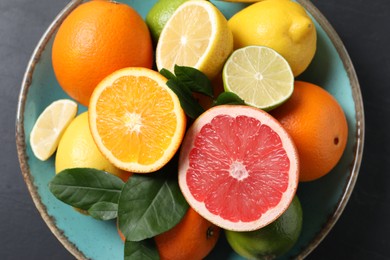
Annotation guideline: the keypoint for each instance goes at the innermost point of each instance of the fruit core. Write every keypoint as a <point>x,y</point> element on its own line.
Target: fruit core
<point>259,76</point>
<point>133,122</point>
<point>238,171</point>
<point>183,40</point>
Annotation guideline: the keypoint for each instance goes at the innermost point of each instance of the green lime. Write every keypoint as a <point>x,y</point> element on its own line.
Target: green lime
<point>271,241</point>
<point>259,75</point>
<point>159,15</point>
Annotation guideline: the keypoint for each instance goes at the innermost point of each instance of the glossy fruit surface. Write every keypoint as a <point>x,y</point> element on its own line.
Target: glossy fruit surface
<point>193,238</point>
<point>317,124</point>
<point>271,241</point>
<point>96,39</point>
<point>282,25</point>
<point>78,150</point>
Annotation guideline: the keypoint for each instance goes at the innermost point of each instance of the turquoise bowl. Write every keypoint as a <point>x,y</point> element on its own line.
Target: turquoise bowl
<point>323,200</point>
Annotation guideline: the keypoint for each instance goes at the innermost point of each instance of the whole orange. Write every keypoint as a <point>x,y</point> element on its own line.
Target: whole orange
<point>96,39</point>
<point>193,238</point>
<point>318,127</point>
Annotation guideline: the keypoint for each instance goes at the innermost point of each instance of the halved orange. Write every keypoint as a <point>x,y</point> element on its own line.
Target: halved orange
<point>136,120</point>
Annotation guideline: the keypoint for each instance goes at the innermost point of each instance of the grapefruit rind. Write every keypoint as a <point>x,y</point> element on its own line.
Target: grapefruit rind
<point>188,144</point>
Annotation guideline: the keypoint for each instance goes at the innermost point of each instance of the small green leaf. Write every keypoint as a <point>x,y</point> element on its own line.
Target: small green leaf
<point>166,73</point>
<point>228,98</point>
<point>187,101</point>
<point>194,79</point>
<point>104,210</point>
<point>83,187</point>
<point>141,250</point>
<point>149,205</point>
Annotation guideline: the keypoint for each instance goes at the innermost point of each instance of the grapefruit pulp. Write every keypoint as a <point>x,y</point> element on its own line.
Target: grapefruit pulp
<point>238,167</point>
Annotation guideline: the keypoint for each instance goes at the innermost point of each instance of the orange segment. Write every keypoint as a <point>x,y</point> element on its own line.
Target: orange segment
<point>136,120</point>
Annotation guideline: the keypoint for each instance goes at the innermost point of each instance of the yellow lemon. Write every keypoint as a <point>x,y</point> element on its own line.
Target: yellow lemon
<point>282,25</point>
<point>77,149</point>
<point>49,127</point>
<point>158,16</point>
<point>196,35</point>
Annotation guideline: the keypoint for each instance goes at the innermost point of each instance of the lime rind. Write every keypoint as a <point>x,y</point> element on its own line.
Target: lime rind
<point>159,14</point>
<point>260,76</point>
<point>273,240</point>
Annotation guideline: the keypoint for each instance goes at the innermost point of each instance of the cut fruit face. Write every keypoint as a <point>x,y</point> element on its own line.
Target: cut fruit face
<point>136,120</point>
<point>196,35</point>
<point>258,75</point>
<point>238,167</point>
<point>50,126</point>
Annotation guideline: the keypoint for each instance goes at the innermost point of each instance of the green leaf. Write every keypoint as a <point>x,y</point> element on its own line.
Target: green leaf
<point>166,73</point>
<point>228,98</point>
<point>104,210</point>
<point>194,79</point>
<point>187,101</point>
<point>142,250</point>
<point>150,205</point>
<point>83,187</point>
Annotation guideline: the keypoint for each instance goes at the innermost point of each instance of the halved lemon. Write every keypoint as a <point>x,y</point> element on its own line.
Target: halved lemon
<point>49,127</point>
<point>196,35</point>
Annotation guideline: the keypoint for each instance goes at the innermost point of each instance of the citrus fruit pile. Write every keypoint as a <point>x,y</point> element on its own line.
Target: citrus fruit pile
<point>171,168</point>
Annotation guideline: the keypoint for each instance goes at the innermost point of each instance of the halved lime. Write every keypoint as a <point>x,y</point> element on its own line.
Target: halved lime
<point>259,75</point>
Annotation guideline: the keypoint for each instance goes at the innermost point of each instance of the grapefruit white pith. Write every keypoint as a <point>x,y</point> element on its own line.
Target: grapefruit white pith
<point>238,167</point>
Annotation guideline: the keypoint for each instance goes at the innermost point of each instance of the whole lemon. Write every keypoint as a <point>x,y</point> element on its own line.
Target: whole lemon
<point>282,25</point>
<point>77,149</point>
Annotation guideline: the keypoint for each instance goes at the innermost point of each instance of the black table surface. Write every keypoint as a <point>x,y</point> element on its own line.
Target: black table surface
<point>363,230</point>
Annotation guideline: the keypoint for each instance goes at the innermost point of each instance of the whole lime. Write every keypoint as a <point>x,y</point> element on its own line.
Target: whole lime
<point>273,240</point>
<point>159,14</point>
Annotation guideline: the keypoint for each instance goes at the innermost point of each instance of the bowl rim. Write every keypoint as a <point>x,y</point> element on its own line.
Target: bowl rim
<point>20,134</point>
<point>359,125</point>
<point>357,149</point>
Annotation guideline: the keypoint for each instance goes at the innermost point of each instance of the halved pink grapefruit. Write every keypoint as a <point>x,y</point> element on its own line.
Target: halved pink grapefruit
<point>238,167</point>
